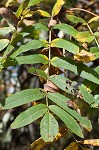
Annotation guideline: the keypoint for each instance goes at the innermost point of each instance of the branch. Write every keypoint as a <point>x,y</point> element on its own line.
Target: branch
<point>80,9</point>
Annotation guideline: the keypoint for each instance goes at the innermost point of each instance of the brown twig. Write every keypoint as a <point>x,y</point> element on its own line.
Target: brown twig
<point>80,9</point>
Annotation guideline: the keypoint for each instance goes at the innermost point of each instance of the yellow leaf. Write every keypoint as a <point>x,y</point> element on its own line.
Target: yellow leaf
<point>93,19</point>
<point>72,146</point>
<point>57,7</point>
<point>43,13</point>
<point>92,142</point>
<point>84,36</point>
<point>84,56</point>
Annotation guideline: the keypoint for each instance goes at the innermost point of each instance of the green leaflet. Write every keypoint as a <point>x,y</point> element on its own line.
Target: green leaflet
<point>89,84</point>
<point>19,10</point>
<point>48,127</point>
<point>37,72</point>
<point>6,53</point>
<point>66,29</point>
<point>84,36</point>
<point>33,2</point>
<point>67,119</point>
<point>30,59</point>
<point>22,97</point>
<point>40,26</point>
<point>61,43</point>
<point>28,116</point>
<point>60,81</point>
<point>96,103</point>
<point>78,68</point>
<point>32,45</point>
<point>37,58</point>
<point>5,30</point>
<point>86,95</point>
<point>94,49</point>
<point>3,43</point>
<point>75,19</point>
<point>61,101</point>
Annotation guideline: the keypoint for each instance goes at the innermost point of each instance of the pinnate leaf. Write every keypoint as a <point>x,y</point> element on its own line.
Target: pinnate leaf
<point>67,119</point>
<point>30,115</point>
<point>48,127</point>
<point>23,97</point>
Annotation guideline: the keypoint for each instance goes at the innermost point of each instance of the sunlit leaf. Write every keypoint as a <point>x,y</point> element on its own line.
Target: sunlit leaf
<point>6,53</point>
<point>3,43</point>
<point>57,7</point>
<point>23,97</point>
<point>75,19</point>
<point>78,68</point>
<point>61,43</point>
<point>67,119</point>
<point>48,127</point>
<point>96,34</point>
<point>43,13</point>
<point>34,2</point>
<point>5,30</point>
<point>66,29</point>
<point>84,36</point>
<point>19,10</point>
<point>30,115</point>
<point>85,56</point>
